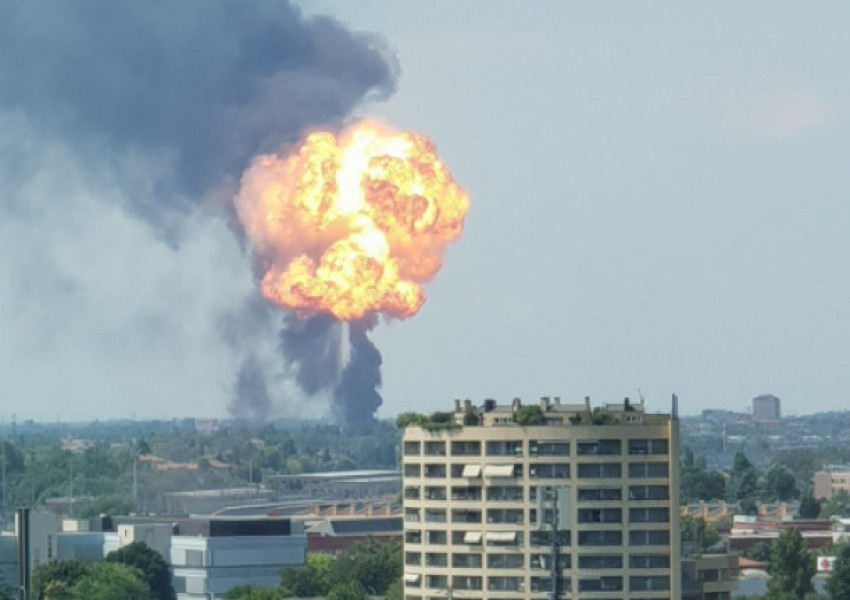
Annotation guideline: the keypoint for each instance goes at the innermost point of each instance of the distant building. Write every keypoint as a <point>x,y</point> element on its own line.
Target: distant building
<point>831,480</point>
<point>208,556</point>
<point>332,535</point>
<point>766,408</point>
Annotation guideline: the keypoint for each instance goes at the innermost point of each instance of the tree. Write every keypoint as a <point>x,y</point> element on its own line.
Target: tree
<point>395,591</point>
<point>63,573</point>
<point>759,552</point>
<point>313,579</point>
<point>791,567</point>
<point>109,581</point>
<point>371,564</point>
<point>697,482</point>
<point>838,585</point>
<point>255,592</point>
<point>809,507</point>
<point>743,480</point>
<point>780,484</point>
<point>151,564</point>
<point>529,415</point>
<point>350,590</point>
<point>408,419</point>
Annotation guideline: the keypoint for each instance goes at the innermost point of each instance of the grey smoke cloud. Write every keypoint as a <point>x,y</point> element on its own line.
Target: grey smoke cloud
<point>155,107</point>
<point>209,84</point>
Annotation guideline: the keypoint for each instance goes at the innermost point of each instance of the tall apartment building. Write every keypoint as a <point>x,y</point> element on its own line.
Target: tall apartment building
<point>584,503</point>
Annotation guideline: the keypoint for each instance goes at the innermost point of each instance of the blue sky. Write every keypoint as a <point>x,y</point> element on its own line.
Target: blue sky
<point>658,203</point>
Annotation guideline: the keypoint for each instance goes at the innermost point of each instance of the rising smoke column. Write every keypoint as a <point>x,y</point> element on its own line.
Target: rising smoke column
<point>169,101</point>
<point>251,397</point>
<point>346,226</point>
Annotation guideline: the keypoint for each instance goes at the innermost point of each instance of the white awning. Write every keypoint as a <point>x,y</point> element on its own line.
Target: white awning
<point>499,471</point>
<point>501,536</point>
<point>411,577</point>
<point>471,471</point>
<point>472,537</point>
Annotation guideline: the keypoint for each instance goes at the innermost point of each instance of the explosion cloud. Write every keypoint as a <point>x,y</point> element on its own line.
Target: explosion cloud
<point>350,225</point>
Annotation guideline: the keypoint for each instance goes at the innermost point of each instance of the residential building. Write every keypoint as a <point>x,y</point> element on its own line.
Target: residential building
<point>585,501</point>
<point>831,480</point>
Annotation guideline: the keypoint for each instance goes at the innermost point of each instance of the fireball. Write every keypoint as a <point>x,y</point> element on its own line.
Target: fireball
<point>351,223</point>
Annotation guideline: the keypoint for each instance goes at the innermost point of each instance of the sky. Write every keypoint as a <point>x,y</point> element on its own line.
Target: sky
<point>658,199</point>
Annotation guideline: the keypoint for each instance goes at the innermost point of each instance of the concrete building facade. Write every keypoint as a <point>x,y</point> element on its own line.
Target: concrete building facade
<point>584,502</point>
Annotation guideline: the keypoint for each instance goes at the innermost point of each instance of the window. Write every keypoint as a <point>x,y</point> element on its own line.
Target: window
<point>649,561</point>
<point>411,515</point>
<point>194,558</point>
<point>597,494</point>
<point>436,581</point>
<point>599,470</point>
<point>648,469</point>
<point>609,447</point>
<point>435,493</point>
<point>648,447</point>
<point>600,561</point>
<point>549,471</point>
<point>435,515</point>
<point>544,561</point>
<point>547,516</point>
<point>412,558</point>
<point>638,583</point>
<point>435,537</point>
<point>600,584</point>
<point>466,516</point>
<point>411,493</point>
<point>465,560</point>
<point>544,538</point>
<point>648,492</point>
<point>505,584</point>
<point>541,448</point>
<point>504,493</point>
<point>649,515</point>
<point>466,493</point>
<point>413,537</point>
<point>505,515</point>
<point>600,538</point>
<point>435,559</point>
<point>435,448</point>
<point>649,538</point>
<point>466,448</point>
<point>600,515</point>
<point>504,448</point>
<point>466,582</point>
<point>505,561</point>
<point>411,449</point>
<point>411,471</point>
<point>541,584</point>
<point>435,470</point>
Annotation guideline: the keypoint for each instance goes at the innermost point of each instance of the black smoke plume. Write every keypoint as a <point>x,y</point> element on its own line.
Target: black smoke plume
<point>251,400</point>
<point>168,101</point>
<point>356,397</point>
<point>312,350</point>
<point>207,85</point>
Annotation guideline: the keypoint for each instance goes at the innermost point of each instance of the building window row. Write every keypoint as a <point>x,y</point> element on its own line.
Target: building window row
<point>543,561</point>
<point>538,447</point>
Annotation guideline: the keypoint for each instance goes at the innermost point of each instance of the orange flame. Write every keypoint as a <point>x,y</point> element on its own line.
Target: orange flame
<point>351,224</point>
